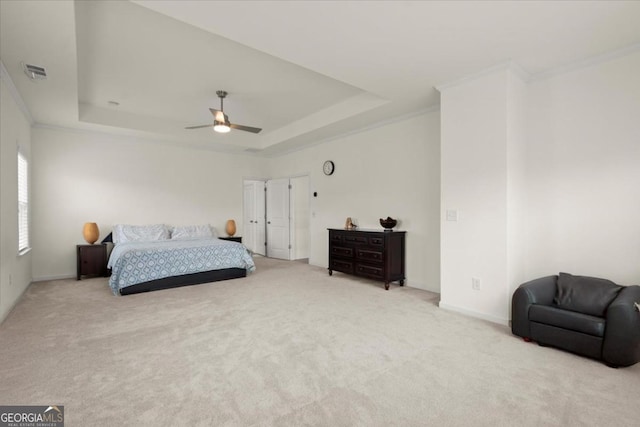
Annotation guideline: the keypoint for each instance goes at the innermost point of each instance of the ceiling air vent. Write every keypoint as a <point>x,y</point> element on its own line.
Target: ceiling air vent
<point>34,72</point>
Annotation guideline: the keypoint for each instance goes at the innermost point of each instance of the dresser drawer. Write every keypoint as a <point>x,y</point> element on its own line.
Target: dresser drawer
<point>340,265</point>
<point>361,240</point>
<point>376,241</point>
<point>342,251</point>
<point>370,271</point>
<point>369,255</point>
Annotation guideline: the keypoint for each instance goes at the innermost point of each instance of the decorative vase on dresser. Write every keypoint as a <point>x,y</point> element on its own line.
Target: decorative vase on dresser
<point>373,254</point>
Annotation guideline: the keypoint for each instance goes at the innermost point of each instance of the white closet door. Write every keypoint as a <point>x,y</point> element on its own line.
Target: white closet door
<point>278,219</point>
<point>249,208</point>
<point>253,216</point>
<point>260,219</point>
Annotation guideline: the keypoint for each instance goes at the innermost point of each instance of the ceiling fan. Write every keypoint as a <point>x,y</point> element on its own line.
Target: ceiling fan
<point>221,120</point>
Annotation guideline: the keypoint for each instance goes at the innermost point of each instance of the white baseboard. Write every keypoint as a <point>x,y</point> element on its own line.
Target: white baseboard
<point>420,286</point>
<point>58,277</point>
<point>8,312</point>
<point>467,312</point>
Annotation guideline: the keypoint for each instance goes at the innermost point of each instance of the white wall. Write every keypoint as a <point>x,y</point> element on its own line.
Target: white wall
<point>480,139</point>
<point>391,170</point>
<point>83,177</point>
<point>517,96</point>
<point>583,170</point>
<point>15,130</point>
<point>301,217</point>
<point>545,177</point>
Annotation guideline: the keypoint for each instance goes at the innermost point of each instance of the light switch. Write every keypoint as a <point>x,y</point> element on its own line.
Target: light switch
<point>452,215</point>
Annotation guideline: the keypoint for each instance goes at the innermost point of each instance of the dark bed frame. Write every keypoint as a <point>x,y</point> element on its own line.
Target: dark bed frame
<point>183,280</point>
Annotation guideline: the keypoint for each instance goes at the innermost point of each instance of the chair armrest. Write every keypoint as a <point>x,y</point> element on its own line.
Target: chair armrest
<point>538,291</point>
<point>621,345</point>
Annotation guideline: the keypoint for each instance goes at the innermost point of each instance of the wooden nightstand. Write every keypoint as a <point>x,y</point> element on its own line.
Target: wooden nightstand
<point>91,260</point>
<point>232,238</point>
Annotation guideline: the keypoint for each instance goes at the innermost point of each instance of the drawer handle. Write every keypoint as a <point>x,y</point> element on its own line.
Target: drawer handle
<point>371,255</point>
<point>341,251</point>
<point>354,239</point>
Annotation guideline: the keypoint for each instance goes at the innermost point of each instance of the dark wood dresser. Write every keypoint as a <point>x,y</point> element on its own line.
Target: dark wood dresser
<point>373,254</point>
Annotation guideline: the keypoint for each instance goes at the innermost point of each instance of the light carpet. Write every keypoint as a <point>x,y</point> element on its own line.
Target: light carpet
<point>289,346</point>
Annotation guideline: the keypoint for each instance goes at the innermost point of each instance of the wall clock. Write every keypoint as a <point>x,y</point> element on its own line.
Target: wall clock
<point>328,167</point>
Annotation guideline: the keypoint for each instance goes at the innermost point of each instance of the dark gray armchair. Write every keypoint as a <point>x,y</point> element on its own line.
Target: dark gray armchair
<point>584,315</point>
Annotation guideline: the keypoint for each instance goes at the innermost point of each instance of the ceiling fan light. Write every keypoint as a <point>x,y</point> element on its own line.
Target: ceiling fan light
<point>221,127</point>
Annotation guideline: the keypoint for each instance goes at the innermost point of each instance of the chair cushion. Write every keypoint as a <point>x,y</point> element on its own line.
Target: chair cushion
<point>565,319</point>
<point>587,295</point>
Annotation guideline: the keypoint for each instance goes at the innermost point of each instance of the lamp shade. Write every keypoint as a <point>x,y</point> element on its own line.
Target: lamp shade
<point>231,227</point>
<point>91,232</point>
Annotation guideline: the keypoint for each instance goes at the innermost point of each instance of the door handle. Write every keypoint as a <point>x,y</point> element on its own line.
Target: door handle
<point>268,222</point>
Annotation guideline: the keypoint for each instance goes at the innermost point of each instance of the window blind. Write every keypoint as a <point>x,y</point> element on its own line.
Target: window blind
<point>23,203</point>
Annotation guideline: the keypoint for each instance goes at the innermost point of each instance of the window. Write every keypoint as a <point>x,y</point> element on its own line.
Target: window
<point>23,204</point>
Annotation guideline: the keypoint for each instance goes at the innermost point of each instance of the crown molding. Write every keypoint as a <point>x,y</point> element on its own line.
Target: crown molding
<point>587,62</point>
<point>509,65</point>
<point>527,77</point>
<point>13,90</point>
<point>430,109</point>
<point>122,137</point>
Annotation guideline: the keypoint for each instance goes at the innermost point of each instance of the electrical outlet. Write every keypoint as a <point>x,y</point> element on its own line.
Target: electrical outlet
<point>476,284</point>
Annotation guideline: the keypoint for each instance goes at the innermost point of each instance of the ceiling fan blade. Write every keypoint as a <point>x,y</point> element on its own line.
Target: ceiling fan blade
<point>219,115</point>
<point>198,127</point>
<point>245,128</point>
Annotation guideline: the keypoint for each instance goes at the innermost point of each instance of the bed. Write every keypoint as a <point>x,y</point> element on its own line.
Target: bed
<point>143,261</point>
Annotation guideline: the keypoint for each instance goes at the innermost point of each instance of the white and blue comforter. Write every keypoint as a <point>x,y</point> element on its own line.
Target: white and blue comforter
<point>138,262</point>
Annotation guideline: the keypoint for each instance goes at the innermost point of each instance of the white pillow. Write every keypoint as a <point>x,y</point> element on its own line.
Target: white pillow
<point>139,233</point>
<point>192,232</point>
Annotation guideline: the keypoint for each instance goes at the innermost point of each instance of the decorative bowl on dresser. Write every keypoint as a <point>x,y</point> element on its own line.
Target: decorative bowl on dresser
<point>388,223</point>
<point>373,254</point>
